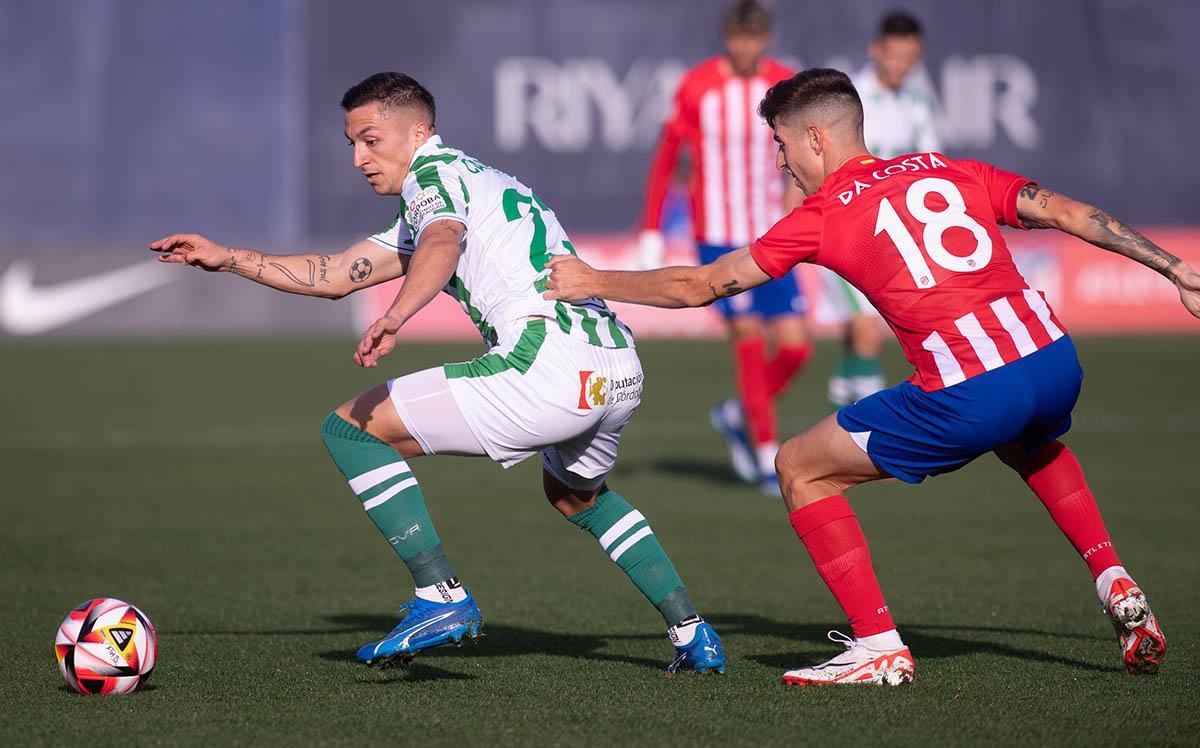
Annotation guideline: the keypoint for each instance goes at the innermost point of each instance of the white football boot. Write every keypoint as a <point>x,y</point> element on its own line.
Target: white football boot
<point>858,665</point>
<point>1143,646</point>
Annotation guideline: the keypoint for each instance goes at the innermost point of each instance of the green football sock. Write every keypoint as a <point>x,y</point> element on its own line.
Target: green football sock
<point>626,537</point>
<point>853,365</point>
<point>390,494</point>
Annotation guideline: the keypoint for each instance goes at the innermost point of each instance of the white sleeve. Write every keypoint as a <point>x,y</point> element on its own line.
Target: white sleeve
<point>432,193</point>
<point>398,236</point>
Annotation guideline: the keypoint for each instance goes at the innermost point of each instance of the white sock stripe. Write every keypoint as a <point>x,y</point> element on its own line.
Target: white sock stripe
<point>1014,326</point>
<point>372,478</point>
<point>629,542</point>
<point>370,504</point>
<point>620,528</point>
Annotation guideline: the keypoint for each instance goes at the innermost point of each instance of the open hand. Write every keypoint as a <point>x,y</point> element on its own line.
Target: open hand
<point>570,279</point>
<point>193,249</point>
<point>377,342</point>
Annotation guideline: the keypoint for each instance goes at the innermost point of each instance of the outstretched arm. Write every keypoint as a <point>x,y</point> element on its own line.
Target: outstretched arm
<point>363,264</point>
<point>431,268</point>
<point>573,279</point>
<point>1040,208</point>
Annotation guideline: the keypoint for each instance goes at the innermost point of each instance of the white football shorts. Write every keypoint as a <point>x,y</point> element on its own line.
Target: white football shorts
<point>546,393</point>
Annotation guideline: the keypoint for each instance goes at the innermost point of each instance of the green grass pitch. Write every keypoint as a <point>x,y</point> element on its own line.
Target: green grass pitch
<point>189,479</point>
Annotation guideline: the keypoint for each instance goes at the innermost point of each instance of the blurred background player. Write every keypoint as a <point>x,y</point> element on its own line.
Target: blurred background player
<point>898,118</point>
<point>736,195</point>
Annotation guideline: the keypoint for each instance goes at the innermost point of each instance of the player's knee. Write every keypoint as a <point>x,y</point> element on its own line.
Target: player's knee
<point>568,501</point>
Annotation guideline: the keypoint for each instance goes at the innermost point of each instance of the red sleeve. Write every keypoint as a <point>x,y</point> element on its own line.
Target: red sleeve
<point>794,239</point>
<point>662,165</point>
<point>1003,188</point>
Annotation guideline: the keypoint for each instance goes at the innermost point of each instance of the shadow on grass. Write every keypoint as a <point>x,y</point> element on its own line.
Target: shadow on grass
<point>144,688</point>
<point>924,644</point>
<point>704,471</point>
<point>499,640</point>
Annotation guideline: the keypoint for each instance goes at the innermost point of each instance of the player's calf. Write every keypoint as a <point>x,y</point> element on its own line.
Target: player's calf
<point>392,498</point>
<point>626,537</point>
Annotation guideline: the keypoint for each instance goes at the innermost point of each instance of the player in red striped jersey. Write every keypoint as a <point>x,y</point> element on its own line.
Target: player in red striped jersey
<point>736,195</point>
<point>995,370</point>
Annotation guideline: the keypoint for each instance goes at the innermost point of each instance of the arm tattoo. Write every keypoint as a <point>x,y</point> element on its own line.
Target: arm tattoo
<point>261,261</point>
<point>324,260</point>
<point>360,270</point>
<point>731,288</point>
<point>312,269</point>
<point>1032,192</point>
<point>1117,236</point>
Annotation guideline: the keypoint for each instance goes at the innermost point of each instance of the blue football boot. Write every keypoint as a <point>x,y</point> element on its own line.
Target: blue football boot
<point>730,422</point>
<point>703,653</point>
<point>426,625</point>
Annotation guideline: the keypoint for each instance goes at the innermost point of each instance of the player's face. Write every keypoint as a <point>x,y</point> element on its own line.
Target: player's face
<point>797,158</point>
<point>895,57</point>
<point>384,141</point>
<point>745,50</point>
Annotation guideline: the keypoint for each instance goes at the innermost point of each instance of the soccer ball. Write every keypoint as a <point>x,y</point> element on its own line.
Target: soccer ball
<point>104,646</point>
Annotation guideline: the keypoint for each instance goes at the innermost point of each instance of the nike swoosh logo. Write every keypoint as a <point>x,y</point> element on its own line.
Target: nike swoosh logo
<point>28,310</point>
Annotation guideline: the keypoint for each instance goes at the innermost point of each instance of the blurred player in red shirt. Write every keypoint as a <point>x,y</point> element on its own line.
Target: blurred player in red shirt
<point>995,369</point>
<point>736,195</point>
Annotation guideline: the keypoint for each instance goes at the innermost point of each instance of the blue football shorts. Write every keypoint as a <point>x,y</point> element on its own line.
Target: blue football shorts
<point>772,299</point>
<point>911,434</point>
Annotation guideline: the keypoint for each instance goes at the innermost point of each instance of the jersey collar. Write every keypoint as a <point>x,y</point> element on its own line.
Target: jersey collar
<point>428,147</point>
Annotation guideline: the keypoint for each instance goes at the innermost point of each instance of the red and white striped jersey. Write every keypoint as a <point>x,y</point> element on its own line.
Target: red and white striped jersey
<point>918,235</point>
<point>736,192</point>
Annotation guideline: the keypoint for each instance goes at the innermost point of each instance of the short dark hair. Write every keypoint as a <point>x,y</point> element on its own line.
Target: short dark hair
<point>391,90</point>
<point>899,23</point>
<point>746,16</point>
<point>809,89</point>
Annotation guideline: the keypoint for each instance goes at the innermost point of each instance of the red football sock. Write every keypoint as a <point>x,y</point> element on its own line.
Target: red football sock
<point>1056,477</point>
<point>836,544</point>
<point>750,356</point>
<point>787,362</point>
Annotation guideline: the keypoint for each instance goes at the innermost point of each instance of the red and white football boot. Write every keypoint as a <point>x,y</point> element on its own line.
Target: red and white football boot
<point>858,665</point>
<point>1143,645</point>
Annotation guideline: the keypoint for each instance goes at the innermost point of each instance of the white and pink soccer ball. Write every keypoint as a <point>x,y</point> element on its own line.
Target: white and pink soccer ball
<point>105,646</point>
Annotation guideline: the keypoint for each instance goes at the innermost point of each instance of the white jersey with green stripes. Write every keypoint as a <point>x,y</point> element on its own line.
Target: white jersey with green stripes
<point>510,237</point>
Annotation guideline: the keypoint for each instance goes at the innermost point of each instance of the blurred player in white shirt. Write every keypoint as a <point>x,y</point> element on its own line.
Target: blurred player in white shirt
<point>898,118</point>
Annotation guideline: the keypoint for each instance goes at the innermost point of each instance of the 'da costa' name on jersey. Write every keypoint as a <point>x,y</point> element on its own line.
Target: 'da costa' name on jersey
<point>919,236</point>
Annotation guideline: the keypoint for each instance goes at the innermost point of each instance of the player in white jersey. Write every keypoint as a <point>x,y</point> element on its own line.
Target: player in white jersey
<point>898,118</point>
<point>559,379</point>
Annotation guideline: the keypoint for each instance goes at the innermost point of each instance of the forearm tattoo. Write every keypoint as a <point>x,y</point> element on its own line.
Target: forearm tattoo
<point>312,270</point>
<point>730,288</point>
<point>1117,236</point>
<point>324,261</point>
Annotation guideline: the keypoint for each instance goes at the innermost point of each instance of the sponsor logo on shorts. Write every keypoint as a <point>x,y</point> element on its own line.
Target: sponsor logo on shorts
<point>596,390</point>
<point>592,392</point>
